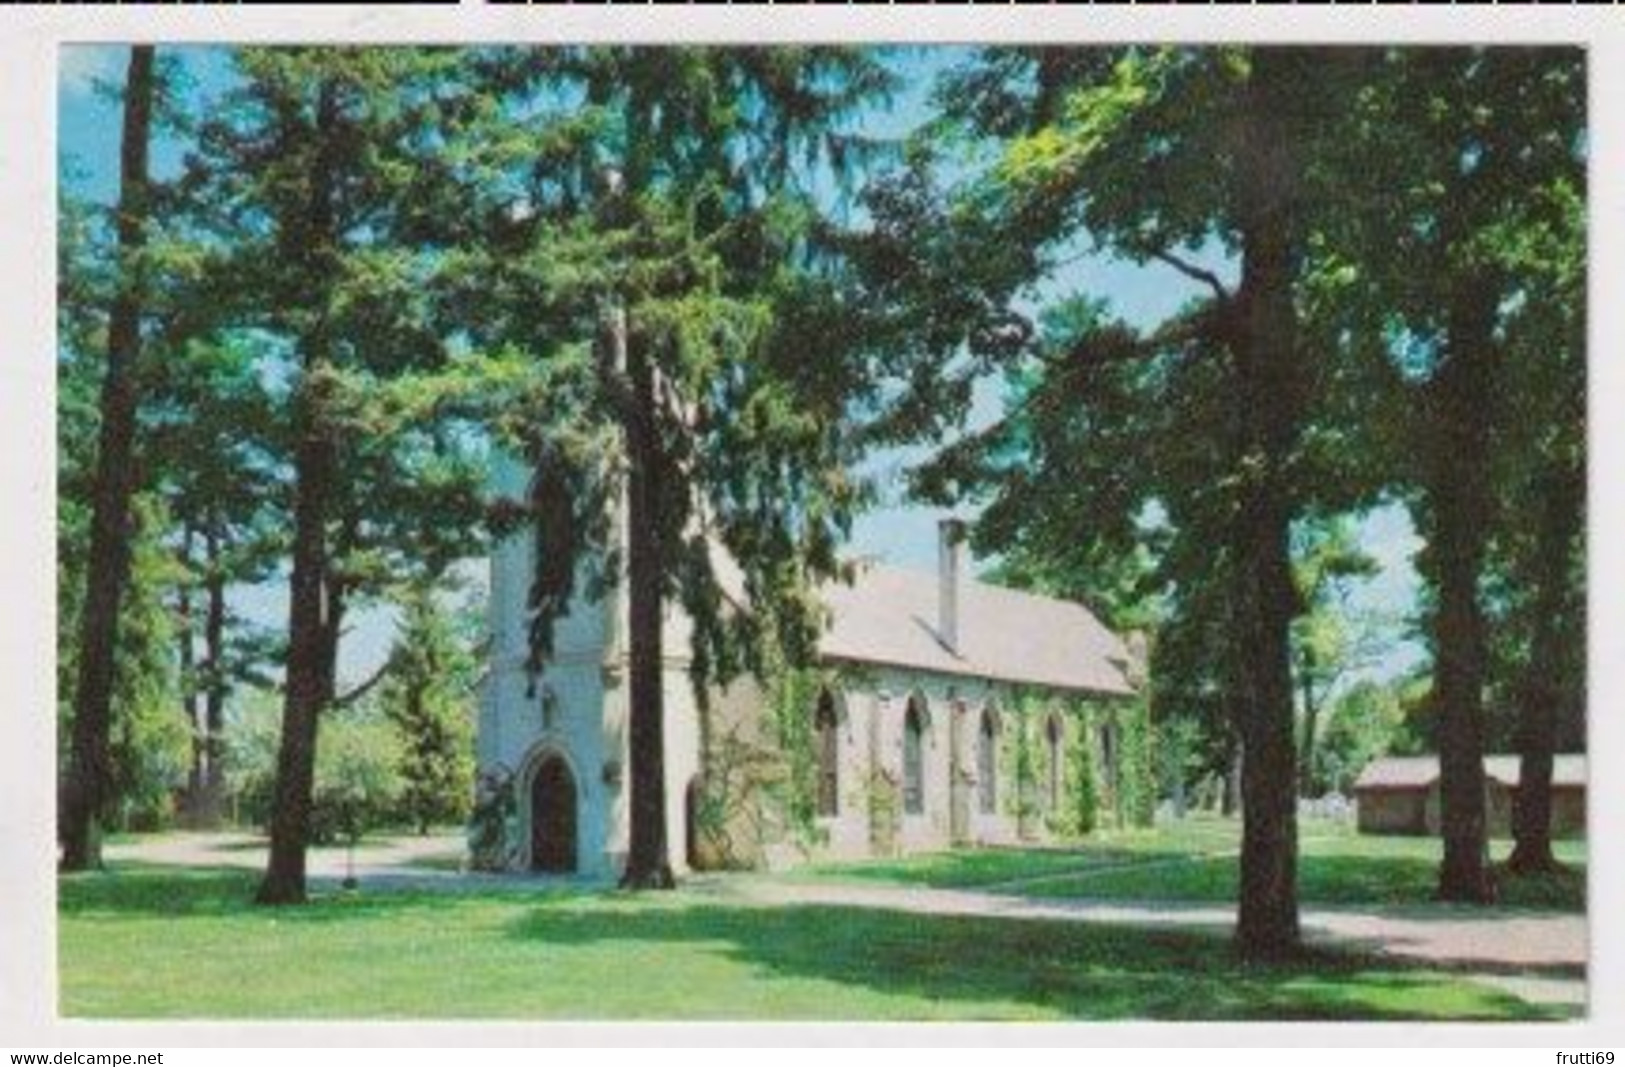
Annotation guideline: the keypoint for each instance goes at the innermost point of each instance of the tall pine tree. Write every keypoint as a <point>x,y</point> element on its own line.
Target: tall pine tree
<point>86,794</point>
<point>673,201</point>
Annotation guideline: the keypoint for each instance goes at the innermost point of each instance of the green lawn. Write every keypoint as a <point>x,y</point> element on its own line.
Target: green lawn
<point>1196,861</point>
<point>987,867</point>
<point>155,942</point>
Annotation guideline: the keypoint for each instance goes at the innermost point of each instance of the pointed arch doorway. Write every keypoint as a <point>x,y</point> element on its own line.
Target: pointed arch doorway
<point>553,817</point>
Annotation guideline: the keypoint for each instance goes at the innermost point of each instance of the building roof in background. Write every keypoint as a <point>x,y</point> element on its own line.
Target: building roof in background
<point>1566,770</point>
<point>1406,772</point>
<point>888,616</point>
<point>1398,772</point>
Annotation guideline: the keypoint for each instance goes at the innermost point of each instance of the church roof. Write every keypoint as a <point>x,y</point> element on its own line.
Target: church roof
<point>888,616</point>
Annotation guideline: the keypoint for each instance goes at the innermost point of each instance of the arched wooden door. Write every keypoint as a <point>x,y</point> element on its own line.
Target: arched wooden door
<point>553,817</point>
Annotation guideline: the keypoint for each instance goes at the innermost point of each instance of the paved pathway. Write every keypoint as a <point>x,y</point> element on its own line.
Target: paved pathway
<point>1435,933</point>
<point>1538,956</point>
<point>432,863</point>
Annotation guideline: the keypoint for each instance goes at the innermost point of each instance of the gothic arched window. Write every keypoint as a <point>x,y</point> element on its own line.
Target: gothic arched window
<point>914,759</point>
<point>987,763</point>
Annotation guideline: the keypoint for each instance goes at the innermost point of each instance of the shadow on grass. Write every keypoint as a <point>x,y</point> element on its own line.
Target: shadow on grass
<point>241,844</point>
<point>977,867</point>
<point>162,890</point>
<point>1079,970</point>
<point>1394,884</point>
<point>1399,881</point>
<point>449,862</point>
<point>1073,969</point>
<point>1561,890</point>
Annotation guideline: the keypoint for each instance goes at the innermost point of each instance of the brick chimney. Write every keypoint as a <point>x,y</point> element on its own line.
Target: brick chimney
<point>950,579</point>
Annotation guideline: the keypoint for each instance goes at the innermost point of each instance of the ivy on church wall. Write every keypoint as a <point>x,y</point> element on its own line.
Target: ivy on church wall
<point>731,819</point>
<point>774,774</point>
<point>1021,767</point>
<point>792,698</point>
<point>760,767</point>
<point>493,825</point>
<point>1079,814</point>
<point>1074,812</point>
<point>1026,776</point>
<point>1077,809</point>
<point>1136,775</point>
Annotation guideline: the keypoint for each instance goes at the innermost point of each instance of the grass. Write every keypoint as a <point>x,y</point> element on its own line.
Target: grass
<point>986,867</point>
<point>162,942</point>
<point>1196,861</point>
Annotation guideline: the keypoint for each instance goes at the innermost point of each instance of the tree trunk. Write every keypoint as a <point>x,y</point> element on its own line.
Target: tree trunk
<point>648,864</point>
<point>336,594</point>
<point>210,813</point>
<point>1271,382</point>
<point>1230,783</point>
<point>308,683</point>
<point>85,796</point>
<point>307,692</point>
<point>1457,401</point>
<point>1561,525</point>
<point>190,707</point>
<point>1311,715</point>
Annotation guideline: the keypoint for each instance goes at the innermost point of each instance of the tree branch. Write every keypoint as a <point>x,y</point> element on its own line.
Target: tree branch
<point>365,687</point>
<point>1191,270</point>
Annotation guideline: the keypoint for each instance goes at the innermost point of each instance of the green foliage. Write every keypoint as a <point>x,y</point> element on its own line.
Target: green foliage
<point>1177,756</point>
<point>493,824</point>
<point>1362,724</point>
<point>1026,770</point>
<point>358,780</point>
<point>1330,640</point>
<point>413,254</point>
<point>323,193</point>
<point>1085,791</point>
<point>744,803</point>
<point>674,190</point>
<point>1459,301</point>
<point>885,793</point>
<point>358,783</point>
<point>1021,795</point>
<point>792,696</point>
<point>1418,731</point>
<point>429,695</point>
<point>250,755</point>
<point>1136,773</point>
<point>150,741</point>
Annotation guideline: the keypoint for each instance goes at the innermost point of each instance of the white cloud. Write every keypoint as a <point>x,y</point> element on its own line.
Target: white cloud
<point>81,66</point>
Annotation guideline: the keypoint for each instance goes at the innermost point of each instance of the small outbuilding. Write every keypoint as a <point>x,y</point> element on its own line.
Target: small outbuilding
<point>1400,795</point>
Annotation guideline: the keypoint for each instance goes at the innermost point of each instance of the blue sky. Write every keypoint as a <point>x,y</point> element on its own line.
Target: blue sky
<point>896,532</point>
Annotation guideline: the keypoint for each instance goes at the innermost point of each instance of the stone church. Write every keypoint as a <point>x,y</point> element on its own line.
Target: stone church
<point>950,712</point>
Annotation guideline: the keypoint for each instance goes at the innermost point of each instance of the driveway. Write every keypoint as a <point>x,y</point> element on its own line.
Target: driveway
<point>1538,956</point>
<point>432,863</point>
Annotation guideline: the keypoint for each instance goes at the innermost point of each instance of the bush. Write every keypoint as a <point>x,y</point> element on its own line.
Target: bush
<point>358,780</point>
<point>358,784</point>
